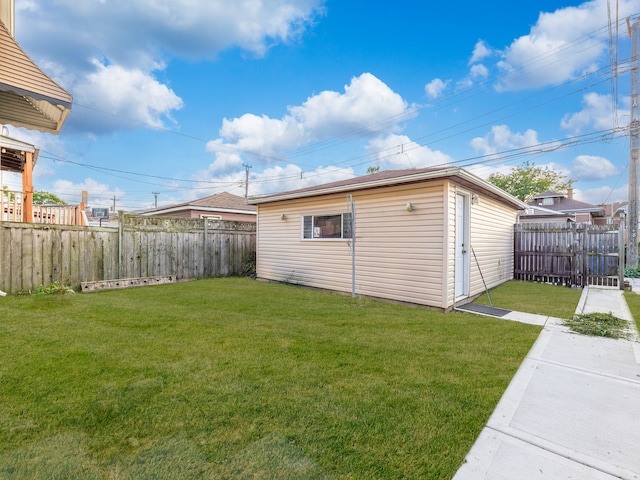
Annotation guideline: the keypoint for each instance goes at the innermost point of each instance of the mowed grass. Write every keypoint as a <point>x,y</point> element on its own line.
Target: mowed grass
<point>633,301</point>
<point>538,298</point>
<point>234,379</point>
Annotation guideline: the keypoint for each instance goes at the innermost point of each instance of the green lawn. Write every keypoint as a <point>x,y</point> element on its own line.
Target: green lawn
<point>235,379</point>
<point>539,298</point>
<point>633,301</point>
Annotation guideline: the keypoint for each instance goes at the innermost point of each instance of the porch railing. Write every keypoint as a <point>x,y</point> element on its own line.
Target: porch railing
<point>11,210</point>
<point>57,214</point>
<point>11,205</point>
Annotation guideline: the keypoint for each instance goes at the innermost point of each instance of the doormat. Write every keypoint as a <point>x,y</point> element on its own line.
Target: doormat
<point>484,309</point>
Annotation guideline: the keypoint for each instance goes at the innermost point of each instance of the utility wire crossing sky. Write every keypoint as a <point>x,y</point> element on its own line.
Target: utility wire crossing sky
<point>173,100</point>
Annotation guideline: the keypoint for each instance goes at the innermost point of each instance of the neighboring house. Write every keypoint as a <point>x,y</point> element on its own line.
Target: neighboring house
<point>614,214</point>
<point>28,99</point>
<point>536,214</point>
<point>414,232</point>
<point>221,206</point>
<point>562,204</point>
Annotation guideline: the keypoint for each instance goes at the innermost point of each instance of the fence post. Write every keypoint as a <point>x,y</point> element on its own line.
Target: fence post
<point>205,248</point>
<point>120,242</point>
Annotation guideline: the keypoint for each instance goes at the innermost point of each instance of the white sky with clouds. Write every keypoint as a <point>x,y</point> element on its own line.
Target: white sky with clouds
<point>175,96</point>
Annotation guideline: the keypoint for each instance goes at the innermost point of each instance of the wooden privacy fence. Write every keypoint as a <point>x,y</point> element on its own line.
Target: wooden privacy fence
<point>33,255</point>
<point>569,254</point>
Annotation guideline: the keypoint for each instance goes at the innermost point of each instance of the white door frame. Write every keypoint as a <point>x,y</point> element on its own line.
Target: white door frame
<point>462,245</point>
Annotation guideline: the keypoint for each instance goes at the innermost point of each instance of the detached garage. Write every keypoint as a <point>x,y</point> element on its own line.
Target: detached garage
<point>403,235</point>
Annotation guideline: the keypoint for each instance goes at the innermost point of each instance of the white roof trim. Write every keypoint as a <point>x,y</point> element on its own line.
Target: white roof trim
<point>424,175</point>
<point>196,208</point>
<point>14,144</point>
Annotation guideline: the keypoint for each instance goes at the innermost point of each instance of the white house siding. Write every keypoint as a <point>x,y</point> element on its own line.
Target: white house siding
<point>399,254</point>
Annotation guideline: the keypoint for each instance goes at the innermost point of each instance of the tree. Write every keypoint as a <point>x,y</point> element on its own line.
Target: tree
<point>373,169</point>
<point>46,198</point>
<point>528,180</point>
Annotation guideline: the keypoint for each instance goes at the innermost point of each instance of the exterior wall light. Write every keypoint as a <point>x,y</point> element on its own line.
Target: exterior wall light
<point>283,217</point>
<point>409,207</point>
<point>475,200</point>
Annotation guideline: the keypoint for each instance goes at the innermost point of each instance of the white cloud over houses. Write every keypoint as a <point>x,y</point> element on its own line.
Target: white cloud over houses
<point>393,151</point>
<point>597,112</point>
<point>562,45</point>
<point>367,107</point>
<point>113,97</point>
<point>126,31</point>
<point>275,179</point>
<point>592,167</point>
<point>99,194</point>
<point>501,138</point>
<point>132,40</point>
<point>603,194</point>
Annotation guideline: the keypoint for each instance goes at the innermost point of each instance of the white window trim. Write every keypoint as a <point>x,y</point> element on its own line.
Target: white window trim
<point>320,239</point>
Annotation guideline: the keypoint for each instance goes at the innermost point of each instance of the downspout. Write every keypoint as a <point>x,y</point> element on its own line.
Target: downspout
<point>353,245</point>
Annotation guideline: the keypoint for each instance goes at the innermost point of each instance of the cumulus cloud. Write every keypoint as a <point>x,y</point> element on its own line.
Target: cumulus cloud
<point>398,152</point>
<point>596,112</point>
<point>591,167</point>
<point>559,47</point>
<point>479,71</point>
<point>603,194</point>
<point>124,98</point>
<point>367,107</point>
<point>132,41</point>
<point>99,194</point>
<point>275,179</point>
<point>480,52</point>
<point>125,31</point>
<point>502,138</point>
<point>435,88</point>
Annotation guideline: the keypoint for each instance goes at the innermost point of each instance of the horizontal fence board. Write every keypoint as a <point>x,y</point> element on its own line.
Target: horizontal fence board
<point>569,254</point>
<point>34,255</point>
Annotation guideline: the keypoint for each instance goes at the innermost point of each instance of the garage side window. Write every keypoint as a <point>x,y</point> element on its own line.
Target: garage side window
<point>327,227</point>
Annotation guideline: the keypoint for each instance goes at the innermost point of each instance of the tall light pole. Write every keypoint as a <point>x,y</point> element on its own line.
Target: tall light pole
<point>634,137</point>
<point>246,179</point>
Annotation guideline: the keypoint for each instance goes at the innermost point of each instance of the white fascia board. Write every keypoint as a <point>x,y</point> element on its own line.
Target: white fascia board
<point>386,182</point>
<point>14,144</point>
<point>200,209</point>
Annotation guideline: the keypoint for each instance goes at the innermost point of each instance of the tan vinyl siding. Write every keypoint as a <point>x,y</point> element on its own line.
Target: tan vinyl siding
<point>491,236</point>
<point>19,71</point>
<point>398,253</point>
<point>449,247</point>
<point>401,255</point>
<point>492,240</point>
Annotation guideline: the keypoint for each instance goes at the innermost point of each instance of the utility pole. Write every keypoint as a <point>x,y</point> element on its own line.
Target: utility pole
<point>113,209</point>
<point>634,137</point>
<point>155,194</point>
<point>246,179</point>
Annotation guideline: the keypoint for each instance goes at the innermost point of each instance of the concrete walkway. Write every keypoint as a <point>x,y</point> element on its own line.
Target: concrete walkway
<point>572,411</point>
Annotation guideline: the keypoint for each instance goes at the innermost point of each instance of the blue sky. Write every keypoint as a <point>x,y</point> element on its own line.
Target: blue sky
<point>175,96</point>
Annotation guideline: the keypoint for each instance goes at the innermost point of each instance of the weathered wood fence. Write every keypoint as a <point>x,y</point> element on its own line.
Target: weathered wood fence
<point>569,254</point>
<point>33,255</point>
